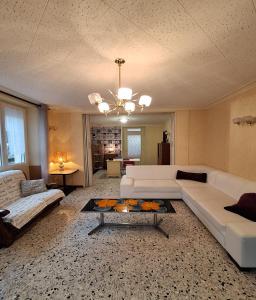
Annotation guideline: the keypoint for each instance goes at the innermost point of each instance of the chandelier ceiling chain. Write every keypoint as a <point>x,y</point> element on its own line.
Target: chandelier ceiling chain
<point>122,100</point>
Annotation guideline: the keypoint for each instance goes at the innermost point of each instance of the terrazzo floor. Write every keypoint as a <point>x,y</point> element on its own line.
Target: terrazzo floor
<point>56,259</point>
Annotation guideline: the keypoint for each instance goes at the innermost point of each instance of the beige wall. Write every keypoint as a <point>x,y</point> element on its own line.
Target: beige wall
<point>181,137</point>
<point>67,136</point>
<point>209,137</point>
<point>152,136</point>
<point>189,137</point>
<point>217,137</point>
<point>232,147</point>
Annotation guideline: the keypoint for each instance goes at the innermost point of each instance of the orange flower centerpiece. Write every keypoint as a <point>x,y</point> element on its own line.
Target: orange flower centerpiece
<point>106,203</point>
<point>149,205</point>
<point>120,207</point>
<point>132,202</point>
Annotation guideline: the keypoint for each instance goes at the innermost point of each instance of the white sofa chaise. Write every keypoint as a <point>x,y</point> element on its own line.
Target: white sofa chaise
<point>207,200</point>
<point>22,209</point>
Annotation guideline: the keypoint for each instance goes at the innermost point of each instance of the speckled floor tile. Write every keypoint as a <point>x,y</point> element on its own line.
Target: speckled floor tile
<point>56,259</point>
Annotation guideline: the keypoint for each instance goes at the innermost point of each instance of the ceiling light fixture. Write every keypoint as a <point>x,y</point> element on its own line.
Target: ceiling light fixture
<point>124,120</point>
<point>122,100</point>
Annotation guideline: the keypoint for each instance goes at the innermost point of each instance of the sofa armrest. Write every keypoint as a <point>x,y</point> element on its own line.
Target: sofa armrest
<point>126,181</point>
<point>4,212</point>
<point>240,242</point>
<point>126,187</point>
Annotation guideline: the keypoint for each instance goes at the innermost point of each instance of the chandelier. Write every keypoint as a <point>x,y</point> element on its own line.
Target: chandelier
<point>122,101</point>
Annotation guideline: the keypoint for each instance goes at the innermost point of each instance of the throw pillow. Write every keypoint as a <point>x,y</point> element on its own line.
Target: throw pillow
<point>246,206</point>
<point>31,187</point>
<point>201,177</point>
<point>4,212</point>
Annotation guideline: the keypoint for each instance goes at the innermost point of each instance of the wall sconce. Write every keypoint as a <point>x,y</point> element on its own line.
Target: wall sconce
<point>246,120</point>
<point>53,128</point>
<point>250,120</point>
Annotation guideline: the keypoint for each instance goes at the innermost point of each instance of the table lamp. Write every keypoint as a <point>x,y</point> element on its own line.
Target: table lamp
<point>61,158</point>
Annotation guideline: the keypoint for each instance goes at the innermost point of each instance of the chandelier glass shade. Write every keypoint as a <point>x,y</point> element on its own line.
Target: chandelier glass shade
<point>124,93</point>
<point>95,98</point>
<point>103,107</point>
<point>122,101</point>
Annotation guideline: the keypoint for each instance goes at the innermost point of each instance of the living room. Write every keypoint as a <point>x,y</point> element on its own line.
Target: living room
<point>127,149</point>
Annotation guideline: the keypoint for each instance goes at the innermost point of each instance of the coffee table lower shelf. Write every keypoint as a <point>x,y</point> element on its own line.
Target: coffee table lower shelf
<point>156,224</point>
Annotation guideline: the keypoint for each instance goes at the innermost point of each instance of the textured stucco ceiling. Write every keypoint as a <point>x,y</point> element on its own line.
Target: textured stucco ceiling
<point>185,53</point>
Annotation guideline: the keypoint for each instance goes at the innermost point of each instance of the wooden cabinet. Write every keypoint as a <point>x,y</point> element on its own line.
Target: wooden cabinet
<point>163,153</point>
<point>109,156</point>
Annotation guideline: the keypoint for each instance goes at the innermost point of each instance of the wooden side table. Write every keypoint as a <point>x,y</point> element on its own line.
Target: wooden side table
<point>67,189</point>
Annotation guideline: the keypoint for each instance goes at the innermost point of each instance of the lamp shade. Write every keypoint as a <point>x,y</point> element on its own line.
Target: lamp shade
<point>124,94</point>
<point>145,100</point>
<point>103,107</point>
<point>95,98</point>
<point>61,157</point>
<point>129,106</point>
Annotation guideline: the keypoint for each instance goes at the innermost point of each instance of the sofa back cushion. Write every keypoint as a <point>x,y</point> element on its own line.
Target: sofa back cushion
<point>161,171</point>
<point>232,185</point>
<point>10,187</point>
<point>151,172</point>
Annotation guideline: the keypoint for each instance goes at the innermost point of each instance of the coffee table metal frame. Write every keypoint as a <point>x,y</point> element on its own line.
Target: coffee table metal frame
<point>156,224</point>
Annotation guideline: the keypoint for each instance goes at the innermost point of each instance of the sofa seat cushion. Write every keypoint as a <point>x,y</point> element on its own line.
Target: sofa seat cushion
<point>164,185</point>
<point>211,202</point>
<point>24,209</point>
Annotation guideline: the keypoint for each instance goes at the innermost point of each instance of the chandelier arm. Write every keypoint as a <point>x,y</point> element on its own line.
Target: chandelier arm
<point>112,104</point>
<point>111,110</point>
<point>138,105</point>
<point>115,97</point>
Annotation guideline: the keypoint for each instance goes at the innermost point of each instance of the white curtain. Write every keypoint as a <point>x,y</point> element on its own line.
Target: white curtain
<point>15,134</point>
<point>87,151</point>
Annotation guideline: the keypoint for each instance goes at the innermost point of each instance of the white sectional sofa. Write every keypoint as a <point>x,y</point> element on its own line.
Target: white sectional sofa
<point>207,200</point>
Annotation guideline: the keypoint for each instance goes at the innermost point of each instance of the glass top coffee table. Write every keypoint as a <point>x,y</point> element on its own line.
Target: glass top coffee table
<point>129,206</point>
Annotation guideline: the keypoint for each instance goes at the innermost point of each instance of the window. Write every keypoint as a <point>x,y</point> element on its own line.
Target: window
<point>134,142</point>
<point>12,138</point>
